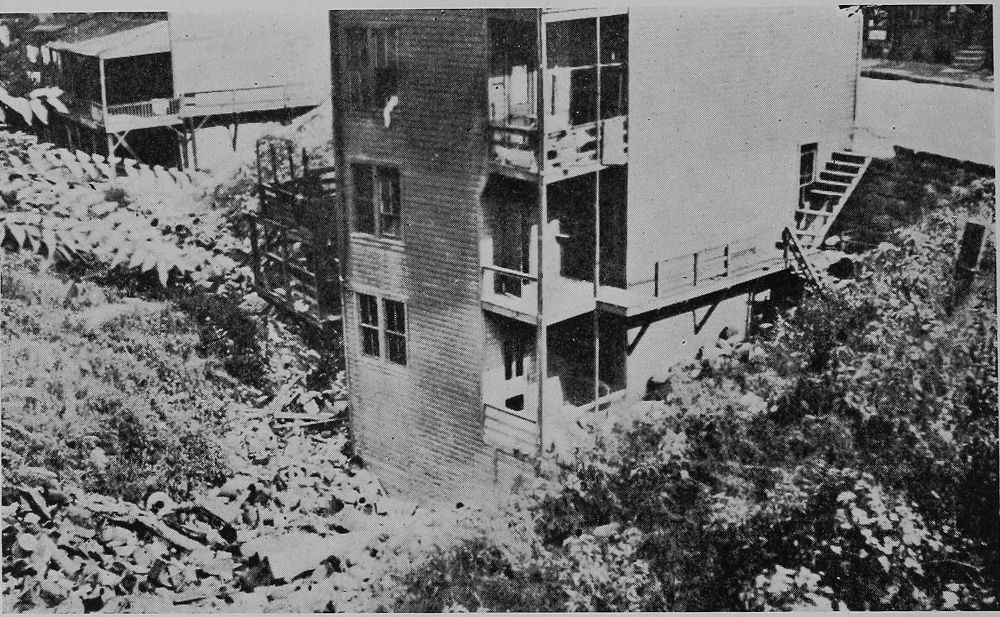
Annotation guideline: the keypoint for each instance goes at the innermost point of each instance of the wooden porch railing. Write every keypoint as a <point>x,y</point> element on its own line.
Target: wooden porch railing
<point>505,280</point>
<point>708,265</point>
<point>146,109</point>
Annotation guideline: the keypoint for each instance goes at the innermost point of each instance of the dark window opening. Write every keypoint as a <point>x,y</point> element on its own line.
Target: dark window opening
<point>372,75</point>
<point>583,96</point>
<point>572,42</point>
<point>376,200</point>
<point>614,91</point>
<point>368,308</point>
<point>364,198</point>
<point>395,331</point>
<point>614,39</point>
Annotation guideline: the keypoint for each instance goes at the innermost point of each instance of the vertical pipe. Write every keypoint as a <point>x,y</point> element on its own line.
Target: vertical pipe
<point>541,348</point>
<point>597,224</point>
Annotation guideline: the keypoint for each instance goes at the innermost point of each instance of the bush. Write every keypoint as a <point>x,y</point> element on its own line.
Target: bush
<point>108,392</point>
<point>850,464</point>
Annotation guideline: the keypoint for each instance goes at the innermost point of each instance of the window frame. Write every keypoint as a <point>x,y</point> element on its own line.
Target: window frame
<point>398,335</point>
<point>373,73</point>
<point>366,327</point>
<point>376,216</point>
<point>381,330</point>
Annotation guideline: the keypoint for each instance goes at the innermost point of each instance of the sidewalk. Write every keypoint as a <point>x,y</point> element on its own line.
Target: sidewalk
<point>923,73</point>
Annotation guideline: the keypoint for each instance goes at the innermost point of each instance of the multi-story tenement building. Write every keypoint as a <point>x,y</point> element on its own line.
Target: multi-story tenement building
<point>546,208</point>
<point>181,89</point>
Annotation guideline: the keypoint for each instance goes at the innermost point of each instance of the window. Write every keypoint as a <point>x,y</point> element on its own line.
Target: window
<point>388,181</point>
<point>391,327</point>
<point>357,63</point>
<point>368,307</point>
<point>395,331</point>
<point>376,186</point>
<point>372,67</point>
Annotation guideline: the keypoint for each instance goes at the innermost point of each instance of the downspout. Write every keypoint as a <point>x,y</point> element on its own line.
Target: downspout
<point>541,345</point>
<point>597,227</point>
<point>341,217</point>
<point>857,75</point>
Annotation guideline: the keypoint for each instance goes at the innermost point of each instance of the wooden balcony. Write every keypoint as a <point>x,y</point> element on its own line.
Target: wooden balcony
<point>687,277</point>
<point>242,100</point>
<point>514,294</point>
<point>142,114</point>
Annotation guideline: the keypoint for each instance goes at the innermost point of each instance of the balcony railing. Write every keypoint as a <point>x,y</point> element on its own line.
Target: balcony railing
<point>511,289</point>
<point>713,264</point>
<point>146,109</point>
<point>256,98</point>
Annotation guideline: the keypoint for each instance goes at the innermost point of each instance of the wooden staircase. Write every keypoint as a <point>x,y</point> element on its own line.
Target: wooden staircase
<point>825,197</point>
<point>969,59</point>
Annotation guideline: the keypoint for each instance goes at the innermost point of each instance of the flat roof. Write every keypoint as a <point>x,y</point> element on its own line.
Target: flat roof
<point>105,37</point>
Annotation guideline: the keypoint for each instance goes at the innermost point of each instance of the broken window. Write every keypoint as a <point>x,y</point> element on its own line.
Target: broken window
<point>357,61</point>
<point>395,331</point>
<point>384,71</point>
<point>372,59</point>
<point>376,199</point>
<point>368,309</point>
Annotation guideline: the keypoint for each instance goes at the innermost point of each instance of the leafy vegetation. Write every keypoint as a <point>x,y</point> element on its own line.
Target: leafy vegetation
<point>846,459</point>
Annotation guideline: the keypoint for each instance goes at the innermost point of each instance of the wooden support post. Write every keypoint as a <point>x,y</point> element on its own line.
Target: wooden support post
<point>274,163</point>
<point>597,229</point>
<point>695,269</point>
<point>541,346</point>
<point>104,92</point>
<point>194,143</point>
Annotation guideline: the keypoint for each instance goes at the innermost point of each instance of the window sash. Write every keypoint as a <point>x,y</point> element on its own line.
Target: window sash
<point>369,324</point>
<point>395,330</point>
<point>388,183</point>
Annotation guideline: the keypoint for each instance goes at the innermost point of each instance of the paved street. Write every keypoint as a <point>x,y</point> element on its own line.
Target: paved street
<point>945,120</point>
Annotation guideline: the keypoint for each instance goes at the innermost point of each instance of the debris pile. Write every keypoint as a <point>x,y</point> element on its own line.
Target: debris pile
<point>299,528</point>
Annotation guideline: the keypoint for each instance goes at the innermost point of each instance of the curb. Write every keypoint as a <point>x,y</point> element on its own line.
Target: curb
<point>893,75</point>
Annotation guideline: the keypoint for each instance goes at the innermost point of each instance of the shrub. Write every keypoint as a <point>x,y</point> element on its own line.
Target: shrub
<point>110,392</point>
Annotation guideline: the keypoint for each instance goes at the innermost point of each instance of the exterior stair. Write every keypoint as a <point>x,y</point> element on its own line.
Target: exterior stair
<point>826,197</point>
<point>969,59</point>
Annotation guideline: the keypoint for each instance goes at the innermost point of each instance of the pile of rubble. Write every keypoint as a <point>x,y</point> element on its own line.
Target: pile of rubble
<point>298,528</point>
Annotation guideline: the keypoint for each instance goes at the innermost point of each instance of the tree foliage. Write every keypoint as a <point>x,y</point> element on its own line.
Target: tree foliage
<point>847,460</point>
